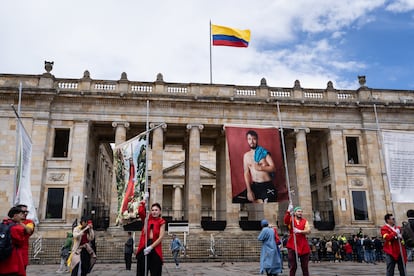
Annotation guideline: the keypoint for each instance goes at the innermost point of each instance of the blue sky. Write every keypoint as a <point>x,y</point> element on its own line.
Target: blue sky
<point>313,41</point>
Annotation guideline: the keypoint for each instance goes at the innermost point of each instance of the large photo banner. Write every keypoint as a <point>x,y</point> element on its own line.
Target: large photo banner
<point>399,161</point>
<point>256,165</point>
<point>130,172</point>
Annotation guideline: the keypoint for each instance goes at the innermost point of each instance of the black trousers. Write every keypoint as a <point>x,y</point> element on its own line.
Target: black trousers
<point>128,260</point>
<point>154,264</point>
<point>85,264</point>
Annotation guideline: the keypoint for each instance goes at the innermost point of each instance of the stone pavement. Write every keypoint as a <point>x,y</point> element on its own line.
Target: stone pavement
<point>227,269</point>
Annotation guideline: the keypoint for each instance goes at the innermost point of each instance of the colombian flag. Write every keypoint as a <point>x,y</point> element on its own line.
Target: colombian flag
<point>225,36</point>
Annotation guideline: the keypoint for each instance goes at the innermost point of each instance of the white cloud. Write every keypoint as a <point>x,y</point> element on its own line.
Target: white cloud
<point>401,6</point>
<point>143,38</point>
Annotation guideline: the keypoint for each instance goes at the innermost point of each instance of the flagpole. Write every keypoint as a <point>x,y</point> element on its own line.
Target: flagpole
<point>287,180</point>
<point>211,62</point>
<point>382,156</point>
<point>146,187</point>
<point>17,143</point>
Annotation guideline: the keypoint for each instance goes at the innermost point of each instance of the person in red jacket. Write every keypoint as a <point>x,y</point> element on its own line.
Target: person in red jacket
<point>298,231</point>
<point>29,227</point>
<point>14,265</point>
<point>150,241</point>
<point>393,246</point>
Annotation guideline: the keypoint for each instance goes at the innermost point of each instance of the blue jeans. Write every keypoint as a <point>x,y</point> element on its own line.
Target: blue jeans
<point>390,262</point>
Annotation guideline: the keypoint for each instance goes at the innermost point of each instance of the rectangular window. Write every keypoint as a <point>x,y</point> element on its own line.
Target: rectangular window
<point>54,205</point>
<point>61,144</point>
<point>352,149</point>
<point>359,200</point>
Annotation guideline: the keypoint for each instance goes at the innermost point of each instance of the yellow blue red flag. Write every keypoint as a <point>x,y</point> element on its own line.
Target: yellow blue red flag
<point>225,36</point>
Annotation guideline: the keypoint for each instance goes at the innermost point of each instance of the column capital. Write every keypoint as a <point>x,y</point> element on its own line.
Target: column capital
<point>178,186</point>
<point>163,125</point>
<point>190,126</point>
<point>119,123</point>
<point>306,129</point>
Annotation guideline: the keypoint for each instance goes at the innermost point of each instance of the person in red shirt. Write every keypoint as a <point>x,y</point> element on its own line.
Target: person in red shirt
<point>348,251</point>
<point>393,246</point>
<point>14,265</point>
<point>29,227</point>
<point>298,229</point>
<point>150,242</point>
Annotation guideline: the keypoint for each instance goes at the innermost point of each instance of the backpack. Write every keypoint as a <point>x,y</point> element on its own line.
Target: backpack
<point>408,234</point>
<point>6,246</point>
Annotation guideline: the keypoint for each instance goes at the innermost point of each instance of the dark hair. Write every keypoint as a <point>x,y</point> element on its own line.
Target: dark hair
<point>252,133</point>
<point>84,219</point>
<point>13,211</point>
<point>20,206</point>
<point>387,217</point>
<point>156,204</point>
<point>410,213</point>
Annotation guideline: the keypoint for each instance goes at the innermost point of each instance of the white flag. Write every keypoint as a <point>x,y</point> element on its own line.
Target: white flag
<point>24,191</point>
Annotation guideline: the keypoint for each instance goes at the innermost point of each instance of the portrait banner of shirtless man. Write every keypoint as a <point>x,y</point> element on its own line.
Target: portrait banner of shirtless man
<point>256,165</point>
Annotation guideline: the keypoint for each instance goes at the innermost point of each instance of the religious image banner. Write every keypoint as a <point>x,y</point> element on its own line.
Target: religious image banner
<point>398,147</point>
<point>256,165</point>
<point>130,172</point>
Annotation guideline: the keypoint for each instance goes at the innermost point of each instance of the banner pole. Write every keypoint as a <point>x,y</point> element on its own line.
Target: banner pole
<point>146,188</point>
<point>16,165</point>
<point>379,137</point>
<point>287,180</point>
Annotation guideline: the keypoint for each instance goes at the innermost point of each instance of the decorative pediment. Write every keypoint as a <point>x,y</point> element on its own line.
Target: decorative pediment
<point>178,170</point>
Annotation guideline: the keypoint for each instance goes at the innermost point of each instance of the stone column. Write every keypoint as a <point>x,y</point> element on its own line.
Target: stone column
<point>302,173</point>
<point>120,131</point>
<point>194,185</point>
<point>339,187</point>
<point>177,202</point>
<point>39,134</point>
<point>120,137</point>
<point>224,187</point>
<point>157,161</point>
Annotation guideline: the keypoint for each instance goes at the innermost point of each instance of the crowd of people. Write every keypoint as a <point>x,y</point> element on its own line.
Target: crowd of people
<point>78,253</point>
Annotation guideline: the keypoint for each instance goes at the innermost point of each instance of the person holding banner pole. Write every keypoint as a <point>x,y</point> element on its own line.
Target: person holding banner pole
<point>395,252</point>
<point>298,246</point>
<point>149,253</point>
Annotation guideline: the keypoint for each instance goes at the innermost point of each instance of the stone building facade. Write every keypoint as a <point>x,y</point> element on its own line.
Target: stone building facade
<point>333,154</point>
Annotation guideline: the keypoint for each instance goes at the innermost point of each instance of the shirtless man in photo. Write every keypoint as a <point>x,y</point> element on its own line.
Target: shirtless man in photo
<point>258,169</point>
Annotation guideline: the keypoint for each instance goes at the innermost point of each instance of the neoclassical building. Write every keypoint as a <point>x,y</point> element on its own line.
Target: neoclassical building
<point>333,154</point>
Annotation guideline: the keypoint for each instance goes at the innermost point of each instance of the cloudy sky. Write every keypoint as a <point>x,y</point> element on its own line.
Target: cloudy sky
<point>313,41</point>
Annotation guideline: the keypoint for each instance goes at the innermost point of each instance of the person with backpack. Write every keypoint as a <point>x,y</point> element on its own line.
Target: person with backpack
<point>65,252</point>
<point>391,234</point>
<point>12,238</point>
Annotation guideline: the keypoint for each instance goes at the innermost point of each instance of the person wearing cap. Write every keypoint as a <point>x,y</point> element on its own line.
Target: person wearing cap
<point>298,229</point>
<point>270,258</point>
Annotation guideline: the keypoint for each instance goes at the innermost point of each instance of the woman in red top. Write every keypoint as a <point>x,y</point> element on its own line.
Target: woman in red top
<point>297,233</point>
<point>150,242</point>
